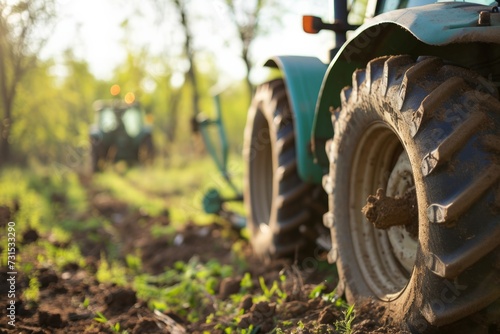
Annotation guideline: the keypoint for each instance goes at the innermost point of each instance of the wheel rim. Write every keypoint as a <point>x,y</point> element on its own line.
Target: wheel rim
<point>261,172</point>
<point>404,245</point>
<point>380,162</point>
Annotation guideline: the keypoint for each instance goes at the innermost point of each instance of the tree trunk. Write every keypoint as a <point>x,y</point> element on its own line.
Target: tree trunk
<point>4,143</point>
<point>173,109</point>
<point>188,48</point>
<point>248,64</point>
<point>6,95</point>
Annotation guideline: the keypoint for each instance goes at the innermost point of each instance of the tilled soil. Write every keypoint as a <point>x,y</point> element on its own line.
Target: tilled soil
<point>71,299</point>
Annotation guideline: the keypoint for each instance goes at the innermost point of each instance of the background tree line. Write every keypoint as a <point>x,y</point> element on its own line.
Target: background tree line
<point>46,117</point>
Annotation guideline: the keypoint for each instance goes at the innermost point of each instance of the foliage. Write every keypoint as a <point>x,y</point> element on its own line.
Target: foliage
<point>187,289</point>
<point>53,117</point>
<point>49,255</point>
<point>113,273</point>
<point>23,32</point>
<point>101,318</point>
<point>274,290</point>
<point>345,325</point>
<point>32,293</point>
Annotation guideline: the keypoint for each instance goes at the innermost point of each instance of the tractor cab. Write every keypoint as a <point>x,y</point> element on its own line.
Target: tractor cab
<point>116,115</point>
<point>120,132</point>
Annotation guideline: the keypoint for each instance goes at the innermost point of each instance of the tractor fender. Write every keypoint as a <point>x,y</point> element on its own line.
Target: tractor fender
<point>448,30</point>
<point>303,77</point>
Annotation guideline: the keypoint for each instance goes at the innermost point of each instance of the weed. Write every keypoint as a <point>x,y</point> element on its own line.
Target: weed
<point>269,293</point>
<point>158,231</point>
<point>122,189</point>
<point>134,263</point>
<point>317,291</point>
<point>100,318</point>
<point>186,289</point>
<point>32,293</point>
<point>86,302</point>
<point>111,273</point>
<point>62,256</point>
<point>345,325</point>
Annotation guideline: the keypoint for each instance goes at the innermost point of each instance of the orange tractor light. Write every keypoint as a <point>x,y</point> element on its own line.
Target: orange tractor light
<point>311,24</point>
<point>115,90</point>
<point>129,98</point>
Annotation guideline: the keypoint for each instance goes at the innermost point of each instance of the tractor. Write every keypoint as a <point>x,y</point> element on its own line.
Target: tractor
<point>121,132</point>
<point>387,157</point>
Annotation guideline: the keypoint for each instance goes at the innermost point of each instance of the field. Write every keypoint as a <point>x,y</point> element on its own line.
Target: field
<point>131,251</point>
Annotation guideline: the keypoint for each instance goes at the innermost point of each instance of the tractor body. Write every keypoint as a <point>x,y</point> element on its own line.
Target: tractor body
<point>120,133</point>
<point>388,159</point>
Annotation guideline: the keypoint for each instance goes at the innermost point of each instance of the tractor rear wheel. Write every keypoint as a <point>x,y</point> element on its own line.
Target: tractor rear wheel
<point>146,151</point>
<point>284,213</point>
<point>420,140</point>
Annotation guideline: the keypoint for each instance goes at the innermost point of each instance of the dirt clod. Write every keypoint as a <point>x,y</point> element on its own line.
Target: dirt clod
<point>229,286</point>
<point>294,308</point>
<point>147,326</point>
<point>48,319</point>
<point>120,300</point>
<point>384,212</point>
<point>30,236</point>
<point>46,277</point>
<point>327,316</point>
<point>246,303</point>
<point>4,215</point>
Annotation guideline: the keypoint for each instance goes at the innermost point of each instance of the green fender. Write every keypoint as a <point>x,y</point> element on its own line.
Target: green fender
<point>448,30</point>
<point>303,77</point>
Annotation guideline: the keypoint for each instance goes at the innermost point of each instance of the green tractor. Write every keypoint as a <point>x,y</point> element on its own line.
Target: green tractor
<point>120,133</point>
<point>387,157</point>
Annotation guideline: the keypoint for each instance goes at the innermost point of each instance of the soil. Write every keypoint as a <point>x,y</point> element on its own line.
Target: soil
<point>384,212</point>
<point>63,292</point>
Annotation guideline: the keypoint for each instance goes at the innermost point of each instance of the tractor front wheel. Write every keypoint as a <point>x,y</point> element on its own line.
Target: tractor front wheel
<point>414,211</point>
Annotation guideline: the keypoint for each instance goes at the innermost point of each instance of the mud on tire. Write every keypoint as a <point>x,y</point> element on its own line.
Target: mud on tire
<point>283,211</point>
<point>447,120</point>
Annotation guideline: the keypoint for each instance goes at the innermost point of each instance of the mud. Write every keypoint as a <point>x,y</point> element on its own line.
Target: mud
<point>384,212</point>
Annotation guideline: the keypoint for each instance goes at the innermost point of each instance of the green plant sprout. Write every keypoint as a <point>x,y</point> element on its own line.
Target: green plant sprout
<point>345,325</point>
<point>32,293</point>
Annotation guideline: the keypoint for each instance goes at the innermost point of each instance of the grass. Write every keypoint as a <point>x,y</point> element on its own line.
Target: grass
<point>345,325</point>
<point>178,187</point>
<point>188,288</point>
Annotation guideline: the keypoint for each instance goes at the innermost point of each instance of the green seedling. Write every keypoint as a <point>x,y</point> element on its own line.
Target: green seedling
<point>345,325</point>
<point>32,293</point>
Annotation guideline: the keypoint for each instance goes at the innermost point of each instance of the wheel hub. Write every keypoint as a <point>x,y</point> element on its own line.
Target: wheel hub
<point>385,256</point>
<point>403,239</point>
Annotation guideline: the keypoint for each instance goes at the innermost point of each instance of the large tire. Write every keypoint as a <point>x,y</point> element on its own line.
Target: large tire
<point>284,213</point>
<point>97,155</point>
<point>94,156</point>
<point>444,122</point>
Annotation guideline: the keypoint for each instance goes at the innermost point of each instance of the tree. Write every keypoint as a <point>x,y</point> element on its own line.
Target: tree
<point>24,27</point>
<point>189,51</point>
<point>250,21</point>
